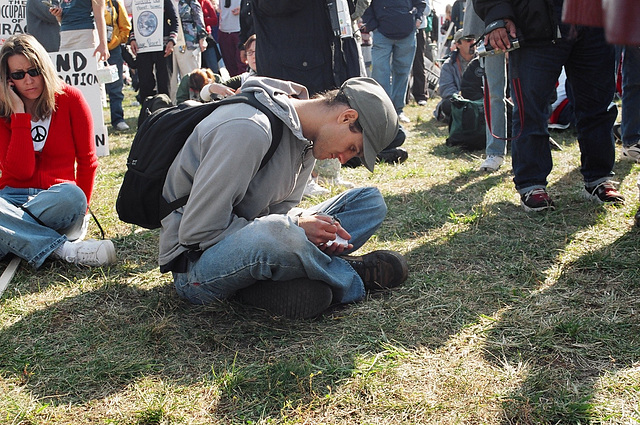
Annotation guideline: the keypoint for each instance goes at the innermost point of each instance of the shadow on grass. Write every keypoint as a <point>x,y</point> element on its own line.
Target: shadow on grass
<point>108,339</point>
<point>569,331</point>
<point>137,255</point>
<point>578,331</point>
<point>93,345</point>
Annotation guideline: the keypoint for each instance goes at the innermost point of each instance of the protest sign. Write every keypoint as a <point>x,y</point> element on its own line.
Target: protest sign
<point>148,17</point>
<point>13,18</point>
<point>79,68</point>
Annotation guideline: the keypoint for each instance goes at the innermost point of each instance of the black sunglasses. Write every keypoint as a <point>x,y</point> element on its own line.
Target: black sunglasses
<point>19,75</point>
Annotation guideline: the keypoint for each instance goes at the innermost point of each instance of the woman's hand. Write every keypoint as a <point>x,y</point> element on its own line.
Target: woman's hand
<point>102,51</point>
<point>320,229</point>
<point>220,89</point>
<point>17,105</point>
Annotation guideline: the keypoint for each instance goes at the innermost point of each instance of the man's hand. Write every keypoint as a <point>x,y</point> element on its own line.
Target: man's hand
<point>499,38</point>
<point>169,48</point>
<point>57,12</point>
<point>321,229</point>
<point>134,48</point>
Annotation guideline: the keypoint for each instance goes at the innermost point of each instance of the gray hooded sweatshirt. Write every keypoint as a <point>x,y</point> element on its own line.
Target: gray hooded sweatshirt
<point>218,167</point>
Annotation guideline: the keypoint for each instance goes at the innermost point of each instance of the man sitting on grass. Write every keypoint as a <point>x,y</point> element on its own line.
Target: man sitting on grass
<point>240,233</point>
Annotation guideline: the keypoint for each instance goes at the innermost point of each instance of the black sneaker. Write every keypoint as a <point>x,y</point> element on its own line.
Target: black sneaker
<point>393,156</point>
<point>537,200</point>
<point>295,299</point>
<point>637,218</point>
<point>604,192</point>
<point>380,270</point>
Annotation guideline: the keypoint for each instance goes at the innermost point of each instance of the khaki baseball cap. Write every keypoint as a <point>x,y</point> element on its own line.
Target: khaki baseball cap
<point>376,114</point>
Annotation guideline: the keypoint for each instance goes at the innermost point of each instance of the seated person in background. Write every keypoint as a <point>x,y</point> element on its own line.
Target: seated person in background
<point>451,74</point>
<point>192,83</point>
<point>47,161</point>
<point>223,88</point>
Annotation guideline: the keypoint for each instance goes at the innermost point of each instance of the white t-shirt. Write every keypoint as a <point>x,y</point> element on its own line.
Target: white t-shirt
<point>39,133</point>
<point>228,21</point>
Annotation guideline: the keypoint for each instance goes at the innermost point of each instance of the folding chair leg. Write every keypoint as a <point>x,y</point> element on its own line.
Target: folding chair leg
<point>8,274</point>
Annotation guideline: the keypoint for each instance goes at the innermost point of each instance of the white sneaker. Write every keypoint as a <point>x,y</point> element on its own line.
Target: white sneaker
<point>403,118</point>
<point>121,126</point>
<point>422,102</point>
<point>632,152</point>
<point>88,253</point>
<point>492,163</point>
<point>314,189</point>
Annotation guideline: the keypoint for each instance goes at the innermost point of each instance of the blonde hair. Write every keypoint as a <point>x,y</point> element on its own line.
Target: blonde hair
<point>30,48</point>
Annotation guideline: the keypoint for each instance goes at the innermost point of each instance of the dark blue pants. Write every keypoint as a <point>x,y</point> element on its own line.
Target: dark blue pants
<point>589,63</point>
<point>114,90</point>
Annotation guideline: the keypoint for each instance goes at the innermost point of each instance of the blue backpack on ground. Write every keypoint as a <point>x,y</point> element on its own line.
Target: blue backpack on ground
<point>155,146</point>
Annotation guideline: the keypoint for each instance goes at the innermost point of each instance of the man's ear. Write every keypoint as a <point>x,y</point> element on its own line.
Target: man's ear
<point>349,116</point>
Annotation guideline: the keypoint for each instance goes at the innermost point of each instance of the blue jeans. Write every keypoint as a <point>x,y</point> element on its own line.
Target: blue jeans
<point>630,125</point>
<point>391,61</point>
<point>495,70</point>
<point>61,209</point>
<point>274,247</point>
<point>589,64</point>
<point>114,90</point>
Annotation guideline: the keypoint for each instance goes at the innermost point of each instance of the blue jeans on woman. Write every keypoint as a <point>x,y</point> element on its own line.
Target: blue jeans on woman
<point>60,211</point>
<point>589,64</point>
<point>274,247</point>
<point>391,62</point>
<point>114,90</point>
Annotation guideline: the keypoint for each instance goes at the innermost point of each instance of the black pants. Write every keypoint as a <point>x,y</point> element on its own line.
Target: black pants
<point>418,89</point>
<point>154,83</point>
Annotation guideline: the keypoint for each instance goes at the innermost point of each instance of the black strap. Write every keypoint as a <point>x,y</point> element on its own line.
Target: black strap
<point>332,9</point>
<point>23,208</point>
<point>97,223</point>
<point>276,136</point>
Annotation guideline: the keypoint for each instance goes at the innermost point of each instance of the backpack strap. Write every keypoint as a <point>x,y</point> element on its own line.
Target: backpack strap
<point>276,125</point>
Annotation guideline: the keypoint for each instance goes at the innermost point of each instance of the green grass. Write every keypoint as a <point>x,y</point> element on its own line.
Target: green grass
<point>507,317</point>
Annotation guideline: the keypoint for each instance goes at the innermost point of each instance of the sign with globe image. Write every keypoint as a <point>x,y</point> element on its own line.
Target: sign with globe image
<point>147,23</point>
<point>147,19</point>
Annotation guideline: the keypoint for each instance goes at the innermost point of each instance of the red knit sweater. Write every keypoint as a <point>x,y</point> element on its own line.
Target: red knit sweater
<point>69,154</point>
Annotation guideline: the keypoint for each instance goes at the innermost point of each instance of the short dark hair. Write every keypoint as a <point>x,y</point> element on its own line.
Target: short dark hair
<point>250,40</point>
<point>337,97</point>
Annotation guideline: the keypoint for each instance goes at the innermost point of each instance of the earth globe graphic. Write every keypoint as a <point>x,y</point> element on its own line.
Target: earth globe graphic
<point>147,23</point>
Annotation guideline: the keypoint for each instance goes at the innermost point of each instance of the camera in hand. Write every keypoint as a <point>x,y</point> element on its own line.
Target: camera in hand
<point>488,50</point>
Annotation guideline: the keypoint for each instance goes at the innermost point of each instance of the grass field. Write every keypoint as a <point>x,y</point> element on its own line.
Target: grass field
<point>506,318</point>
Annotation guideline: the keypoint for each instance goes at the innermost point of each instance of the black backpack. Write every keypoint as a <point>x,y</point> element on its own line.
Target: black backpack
<point>153,150</point>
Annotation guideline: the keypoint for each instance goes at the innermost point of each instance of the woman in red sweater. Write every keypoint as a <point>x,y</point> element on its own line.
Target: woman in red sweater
<point>47,161</point>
